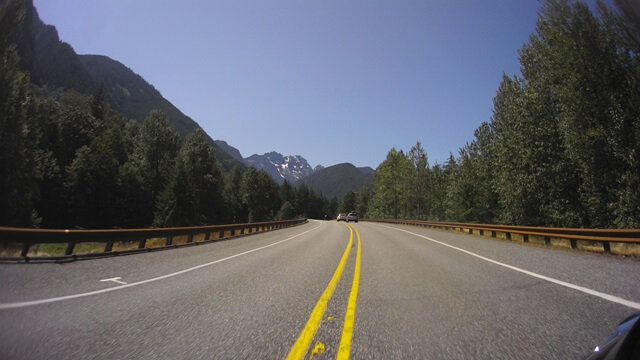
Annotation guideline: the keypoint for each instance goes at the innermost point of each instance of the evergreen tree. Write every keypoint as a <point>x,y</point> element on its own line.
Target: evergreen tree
<point>362,201</point>
<point>286,212</point>
<point>348,203</point>
<point>260,195</point>
<point>237,211</point>
<point>391,190</point>
<point>155,151</point>
<point>194,194</point>
<point>19,135</point>
<point>418,203</point>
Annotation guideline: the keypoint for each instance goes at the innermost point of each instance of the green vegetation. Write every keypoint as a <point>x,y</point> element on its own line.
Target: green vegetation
<point>562,147</point>
<point>72,157</point>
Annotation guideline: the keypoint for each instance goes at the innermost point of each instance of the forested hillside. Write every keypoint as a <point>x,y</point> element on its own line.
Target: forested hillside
<point>562,147</point>
<point>334,181</point>
<point>70,159</point>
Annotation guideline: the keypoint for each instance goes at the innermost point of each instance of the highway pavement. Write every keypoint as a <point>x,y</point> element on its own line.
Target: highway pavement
<point>322,290</point>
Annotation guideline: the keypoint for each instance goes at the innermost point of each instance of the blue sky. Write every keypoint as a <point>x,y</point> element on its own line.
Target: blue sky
<point>333,81</point>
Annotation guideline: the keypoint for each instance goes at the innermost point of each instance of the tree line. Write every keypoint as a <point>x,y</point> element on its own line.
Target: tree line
<point>562,147</point>
<point>70,160</point>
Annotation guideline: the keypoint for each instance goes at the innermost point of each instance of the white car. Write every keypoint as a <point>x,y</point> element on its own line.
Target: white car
<point>342,217</point>
<point>352,217</point>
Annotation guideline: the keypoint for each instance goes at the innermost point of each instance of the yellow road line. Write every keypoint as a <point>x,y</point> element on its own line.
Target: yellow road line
<point>344,351</point>
<point>299,349</point>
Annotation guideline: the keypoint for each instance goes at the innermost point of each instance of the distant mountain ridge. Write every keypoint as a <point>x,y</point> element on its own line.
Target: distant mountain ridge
<point>334,181</point>
<point>233,152</point>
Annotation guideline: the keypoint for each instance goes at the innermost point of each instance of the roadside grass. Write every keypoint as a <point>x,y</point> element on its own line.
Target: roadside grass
<point>44,250</point>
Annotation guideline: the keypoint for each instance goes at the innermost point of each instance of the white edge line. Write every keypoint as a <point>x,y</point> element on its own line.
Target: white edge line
<point>102,291</point>
<point>612,298</point>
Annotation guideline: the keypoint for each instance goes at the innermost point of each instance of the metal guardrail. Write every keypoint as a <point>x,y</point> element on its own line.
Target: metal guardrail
<point>30,237</point>
<point>526,233</point>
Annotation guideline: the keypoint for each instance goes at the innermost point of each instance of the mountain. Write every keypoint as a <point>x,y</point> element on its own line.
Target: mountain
<point>51,63</point>
<point>135,98</point>
<point>367,170</point>
<point>233,152</point>
<point>54,67</point>
<point>291,168</point>
<point>334,181</point>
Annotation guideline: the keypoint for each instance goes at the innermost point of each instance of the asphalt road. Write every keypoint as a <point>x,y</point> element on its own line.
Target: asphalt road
<point>421,294</point>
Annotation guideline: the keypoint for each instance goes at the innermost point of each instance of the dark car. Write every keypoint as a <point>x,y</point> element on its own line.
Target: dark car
<point>624,343</point>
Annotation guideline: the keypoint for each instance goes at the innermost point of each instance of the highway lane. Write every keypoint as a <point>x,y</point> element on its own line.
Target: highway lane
<point>254,295</point>
<point>429,301</point>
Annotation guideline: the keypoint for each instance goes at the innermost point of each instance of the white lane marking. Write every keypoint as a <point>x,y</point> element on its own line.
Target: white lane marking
<point>115,280</point>
<point>75,296</point>
<point>612,298</point>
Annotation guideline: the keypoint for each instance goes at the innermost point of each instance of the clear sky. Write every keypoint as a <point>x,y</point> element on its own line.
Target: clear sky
<point>334,81</point>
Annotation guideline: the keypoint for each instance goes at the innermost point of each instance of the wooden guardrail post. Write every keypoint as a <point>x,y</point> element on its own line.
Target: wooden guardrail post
<point>25,248</point>
<point>109,246</point>
<point>70,247</point>
<point>574,243</point>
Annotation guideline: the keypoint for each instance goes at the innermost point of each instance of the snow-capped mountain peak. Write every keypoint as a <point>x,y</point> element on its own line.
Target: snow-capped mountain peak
<point>291,167</point>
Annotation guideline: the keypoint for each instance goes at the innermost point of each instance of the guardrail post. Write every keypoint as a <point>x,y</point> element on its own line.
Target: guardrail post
<point>169,240</point>
<point>547,240</point>
<point>481,232</point>
<point>606,246</point>
<point>525,238</point>
<point>70,247</point>
<point>574,243</point>
<point>207,236</point>
<point>221,234</point>
<point>233,232</point>
<point>109,246</point>
<point>190,238</point>
<point>507,235</point>
<point>493,233</point>
<point>25,249</point>
<point>142,243</point>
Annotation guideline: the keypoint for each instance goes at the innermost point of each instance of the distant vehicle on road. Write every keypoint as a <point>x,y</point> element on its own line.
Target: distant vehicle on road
<point>352,217</point>
<point>342,217</point>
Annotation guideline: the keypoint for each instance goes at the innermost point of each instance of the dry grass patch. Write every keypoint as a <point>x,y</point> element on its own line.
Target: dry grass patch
<point>625,249</point>
<point>593,246</point>
<point>562,243</point>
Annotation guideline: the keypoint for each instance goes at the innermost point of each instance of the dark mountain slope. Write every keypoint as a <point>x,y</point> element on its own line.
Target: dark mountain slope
<point>336,180</point>
<point>50,63</point>
<point>53,67</point>
<point>233,152</point>
<point>135,98</point>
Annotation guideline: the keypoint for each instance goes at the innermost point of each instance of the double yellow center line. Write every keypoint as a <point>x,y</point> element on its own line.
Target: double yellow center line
<point>300,348</point>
